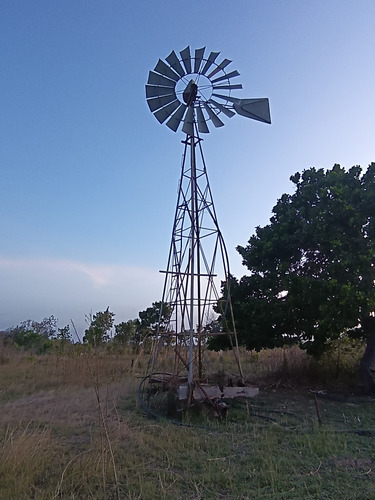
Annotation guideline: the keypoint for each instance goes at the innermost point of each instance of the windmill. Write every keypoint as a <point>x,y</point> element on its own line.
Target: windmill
<point>193,92</point>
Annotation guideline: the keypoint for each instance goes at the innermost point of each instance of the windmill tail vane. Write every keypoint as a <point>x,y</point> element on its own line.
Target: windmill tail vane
<point>194,91</point>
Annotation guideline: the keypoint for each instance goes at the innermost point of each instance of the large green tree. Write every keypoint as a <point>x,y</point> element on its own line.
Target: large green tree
<point>312,268</point>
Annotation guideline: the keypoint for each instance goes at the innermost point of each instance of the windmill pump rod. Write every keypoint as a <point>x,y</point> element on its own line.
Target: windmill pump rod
<point>194,245</point>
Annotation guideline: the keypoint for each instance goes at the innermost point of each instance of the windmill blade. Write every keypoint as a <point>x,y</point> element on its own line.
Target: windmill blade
<point>186,59</point>
<point>228,87</point>
<point>222,65</point>
<point>174,62</point>
<point>175,120</point>
<point>235,100</point>
<point>257,109</point>
<point>226,77</point>
<point>156,79</point>
<point>211,59</point>
<point>202,125</point>
<point>225,97</point>
<point>188,126</point>
<point>214,118</point>
<point>199,53</point>
<point>223,109</point>
<point>166,112</point>
<point>158,91</point>
<point>165,70</point>
<point>160,102</point>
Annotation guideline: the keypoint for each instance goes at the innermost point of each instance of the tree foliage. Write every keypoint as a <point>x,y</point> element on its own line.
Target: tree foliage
<point>155,317</point>
<point>99,328</point>
<point>33,335</point>
<point>127,332</point>
<point>63,334</point>
<point>151,321</point>
<point>312,268</point>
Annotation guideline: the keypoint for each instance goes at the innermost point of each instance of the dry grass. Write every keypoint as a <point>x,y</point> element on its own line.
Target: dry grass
<point>25,454</point>
<point>70,429</point>
<point>28,374</point>
<point>58,421</point>
<point>292,367</point>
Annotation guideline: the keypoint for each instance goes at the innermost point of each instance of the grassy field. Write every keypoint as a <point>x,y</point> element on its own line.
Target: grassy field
<point>71,428</point>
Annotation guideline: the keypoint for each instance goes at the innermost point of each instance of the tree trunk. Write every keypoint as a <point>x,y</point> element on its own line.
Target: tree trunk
<point>367,365</point>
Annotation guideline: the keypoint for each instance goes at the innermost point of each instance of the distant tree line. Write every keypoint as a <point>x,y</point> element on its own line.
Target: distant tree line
<point>39,337</point>
<point>44,336</point>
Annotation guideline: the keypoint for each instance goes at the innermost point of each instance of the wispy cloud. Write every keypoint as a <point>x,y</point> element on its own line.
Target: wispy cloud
<point>34,287</point>
<point>99,274</point>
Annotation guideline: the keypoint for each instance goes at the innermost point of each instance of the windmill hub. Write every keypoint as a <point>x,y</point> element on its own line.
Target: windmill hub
<point>204,88</point>
<point>190,93</point>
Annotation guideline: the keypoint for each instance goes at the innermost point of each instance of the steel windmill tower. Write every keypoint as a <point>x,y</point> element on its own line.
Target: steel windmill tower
<point>192,92</point>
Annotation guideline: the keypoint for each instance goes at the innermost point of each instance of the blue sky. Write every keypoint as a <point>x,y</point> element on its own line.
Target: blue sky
<point>89,177</point>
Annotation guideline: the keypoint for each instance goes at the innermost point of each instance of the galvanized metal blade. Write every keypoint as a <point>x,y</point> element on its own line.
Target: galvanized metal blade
<point>199,53</point>
<point>166,112</point>
<point>225,97</point>
<point>165,70</point>
<point>211,59</point>
<point>232,74</point>
<point>214,118</point>
<point>228,87</point>
<point>160,102</point>
<point>174,62</point>
<point>186,59</point>
<point>202,125</point>
<point>158,91</point>
<point>223,109</point>
<point>221,66</point>
<point>175,120</point>
<point>156,79</point>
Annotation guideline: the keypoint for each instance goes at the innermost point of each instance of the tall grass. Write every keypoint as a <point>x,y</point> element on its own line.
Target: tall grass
<point>24,456</point>
<point>292,367</point>
<point>26,374</point>
<point>70,428</point>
